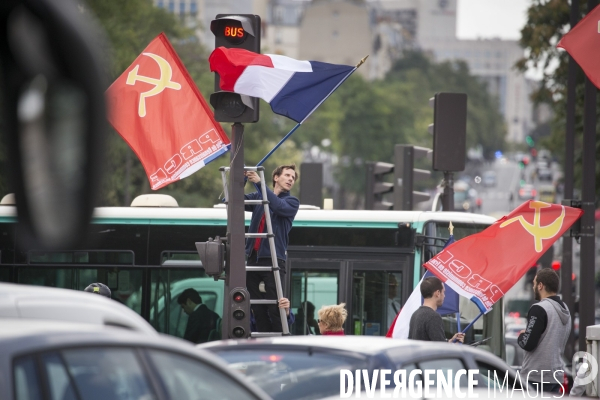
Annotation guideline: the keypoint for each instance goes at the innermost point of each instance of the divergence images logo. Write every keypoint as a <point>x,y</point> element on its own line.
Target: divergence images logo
<point>160,84</point>
<point>536,230</point>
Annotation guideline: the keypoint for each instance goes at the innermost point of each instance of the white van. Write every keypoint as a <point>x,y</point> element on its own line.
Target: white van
<point>46,303</point>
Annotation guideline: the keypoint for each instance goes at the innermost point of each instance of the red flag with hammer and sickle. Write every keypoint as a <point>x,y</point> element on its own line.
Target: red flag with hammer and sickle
<point>158,110</point>
<point>484,266</point>
<point>583,42</point>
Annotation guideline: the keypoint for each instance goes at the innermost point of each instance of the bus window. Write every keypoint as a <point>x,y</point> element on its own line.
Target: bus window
<point>123,282</point>
<point>310,290</point>
<point>376,299</point>
<point>168,283</point>
<point>5,274</point>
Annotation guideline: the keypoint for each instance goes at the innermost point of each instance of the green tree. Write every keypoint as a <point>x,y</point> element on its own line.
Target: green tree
<point>547,23</point>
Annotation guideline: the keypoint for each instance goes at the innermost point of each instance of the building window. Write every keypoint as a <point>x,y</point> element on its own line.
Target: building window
<point>193,8</point>
<point>160,4</point>
<point>335,34</point>
<point>336,13</point>
<point>182,8</point>
<point>171,6</point>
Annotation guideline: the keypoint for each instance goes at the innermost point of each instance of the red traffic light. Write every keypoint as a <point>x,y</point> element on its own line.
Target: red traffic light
<point>556,265</point>
<point>238,297</point>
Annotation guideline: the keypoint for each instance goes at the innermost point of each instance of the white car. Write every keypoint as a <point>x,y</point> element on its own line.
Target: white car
<point>45,303</point>
<point>68,361</point>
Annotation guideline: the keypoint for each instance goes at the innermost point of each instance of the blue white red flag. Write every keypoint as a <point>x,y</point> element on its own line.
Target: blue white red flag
<point>293,88</point>
<point>400,326</point>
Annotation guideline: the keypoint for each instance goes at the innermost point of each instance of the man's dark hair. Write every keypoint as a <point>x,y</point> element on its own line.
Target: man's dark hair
<point>549,278</point>
<point>429,286</point>
<point>191,294</point>
<point>279,170</point>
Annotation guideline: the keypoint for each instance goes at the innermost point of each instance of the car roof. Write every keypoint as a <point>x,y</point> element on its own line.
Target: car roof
<point>363,345</point>
<point>30,335</point>
<point>20,337</point>
<point>47,303</point>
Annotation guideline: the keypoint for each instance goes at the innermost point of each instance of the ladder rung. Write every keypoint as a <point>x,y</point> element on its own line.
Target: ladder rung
<point>260,235</point>
<point>261,301</point>
<point>256,201</point>
<point>259,269</point>
<point>265,334</point>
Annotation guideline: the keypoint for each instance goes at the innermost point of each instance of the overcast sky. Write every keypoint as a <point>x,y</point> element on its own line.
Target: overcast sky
<point>503,19</point>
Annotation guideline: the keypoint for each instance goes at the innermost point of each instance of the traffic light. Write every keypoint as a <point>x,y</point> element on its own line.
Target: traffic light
<point>449,131</point>
<point>212,255</point>
<point>405,175</point>
<point>377,187</point>
<point>239,314</point>
<point>240,31</point>
<point>529,141</point>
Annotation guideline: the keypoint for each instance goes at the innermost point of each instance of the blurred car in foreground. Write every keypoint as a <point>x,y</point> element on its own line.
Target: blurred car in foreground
<point>308,367</point>
<point>46,303</point>
<point>67,361</point>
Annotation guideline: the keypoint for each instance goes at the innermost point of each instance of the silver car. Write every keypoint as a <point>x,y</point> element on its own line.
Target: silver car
<point>308,367</point>
<point>52,360</point>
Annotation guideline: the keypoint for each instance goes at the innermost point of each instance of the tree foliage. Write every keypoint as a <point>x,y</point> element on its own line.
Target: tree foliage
<point>362,120</point>
<point>547,23</point>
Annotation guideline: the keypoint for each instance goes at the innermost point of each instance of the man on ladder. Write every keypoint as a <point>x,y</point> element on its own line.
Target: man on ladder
<point>283,208</point>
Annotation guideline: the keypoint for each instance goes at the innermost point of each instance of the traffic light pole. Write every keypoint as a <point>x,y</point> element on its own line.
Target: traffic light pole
<point>587,270</point>
<point>448,195</point>
<point>236,264</point>
<point>566,271</point>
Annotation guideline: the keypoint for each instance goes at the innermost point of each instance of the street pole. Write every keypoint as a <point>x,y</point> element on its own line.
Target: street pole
<point>587,301</point>
<point>236,264</point>
<point>566,270</point>
<point>403,172</point>
<point>448,196</point>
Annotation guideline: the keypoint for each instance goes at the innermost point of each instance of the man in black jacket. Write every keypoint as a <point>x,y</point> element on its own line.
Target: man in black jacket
<point>283,208</point>
<point>201,319</point>
<point>426,323</point>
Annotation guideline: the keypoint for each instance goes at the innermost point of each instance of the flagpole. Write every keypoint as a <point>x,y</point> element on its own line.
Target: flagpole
<point>472,322</point>
<point>361,62</point>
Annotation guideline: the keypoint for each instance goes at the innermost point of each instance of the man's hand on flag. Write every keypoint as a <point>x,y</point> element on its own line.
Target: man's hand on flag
<point>458,337</point>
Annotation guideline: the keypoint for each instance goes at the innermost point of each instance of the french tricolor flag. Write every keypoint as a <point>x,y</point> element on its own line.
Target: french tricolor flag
<point>293,88</point>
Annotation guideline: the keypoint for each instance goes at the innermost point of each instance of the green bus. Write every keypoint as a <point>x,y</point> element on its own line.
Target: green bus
<point>370,260</point>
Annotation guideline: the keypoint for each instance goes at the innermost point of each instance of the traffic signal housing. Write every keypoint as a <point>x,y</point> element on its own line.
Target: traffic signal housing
<point>238,316</point>
<point>449,131</point>
<point>212,256</point>
<point>239,31</point>
<point>377,186</point>
<point>405,175</point>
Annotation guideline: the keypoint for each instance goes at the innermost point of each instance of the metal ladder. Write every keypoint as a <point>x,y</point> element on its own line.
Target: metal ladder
<point>271,238</point>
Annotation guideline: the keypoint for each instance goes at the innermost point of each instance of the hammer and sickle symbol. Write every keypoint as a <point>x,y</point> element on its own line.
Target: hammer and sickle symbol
<point>160,84</point>
<point>539,232</point>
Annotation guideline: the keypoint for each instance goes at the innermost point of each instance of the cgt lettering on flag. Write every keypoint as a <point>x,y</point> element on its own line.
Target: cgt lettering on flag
<point>157,109</point>
<point>193,152</point>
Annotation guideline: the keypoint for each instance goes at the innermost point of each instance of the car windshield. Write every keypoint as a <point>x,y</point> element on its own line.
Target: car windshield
<point>290,374</point>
